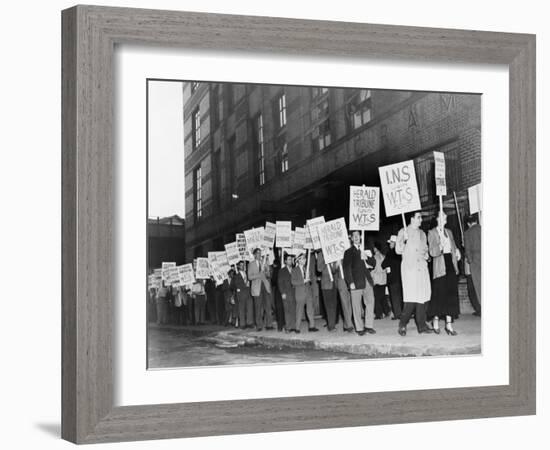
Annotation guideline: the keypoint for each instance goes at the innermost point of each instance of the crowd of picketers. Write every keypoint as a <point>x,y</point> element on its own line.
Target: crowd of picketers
<point>413,274</point>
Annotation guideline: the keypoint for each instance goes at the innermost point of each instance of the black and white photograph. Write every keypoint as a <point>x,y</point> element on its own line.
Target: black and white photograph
<point>292,224</point>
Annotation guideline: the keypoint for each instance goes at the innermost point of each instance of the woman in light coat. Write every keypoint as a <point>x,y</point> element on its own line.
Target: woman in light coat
<point>445,256</point>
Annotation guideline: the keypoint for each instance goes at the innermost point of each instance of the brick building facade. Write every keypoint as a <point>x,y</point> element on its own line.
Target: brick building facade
<point>262,152</point>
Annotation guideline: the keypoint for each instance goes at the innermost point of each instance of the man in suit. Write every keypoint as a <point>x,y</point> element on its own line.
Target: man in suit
<point>303,294</point>
<point>284,284</point>
<point>243,300</point>
<point>260,288</point>
<point>472,250</point>
<point>392,265</point>
<point>358,277</point>
<point>276,295</point>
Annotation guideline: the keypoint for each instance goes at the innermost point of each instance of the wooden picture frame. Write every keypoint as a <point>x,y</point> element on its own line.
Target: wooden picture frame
<point>89,37</point>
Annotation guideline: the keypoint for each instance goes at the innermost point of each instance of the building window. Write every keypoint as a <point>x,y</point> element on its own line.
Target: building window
<point>196,128</point>
<point>215,106</point>
<point>231,169</point>
<point>216,179</point>
<point>260,149</point>
<point>284,158</point>
<point>321,135</point>
<point>194,86</point>
<point>229,97</point>
<point>318,91</point>
<point>198,193</point>
<point>360,108</point>
<point>281,107</point>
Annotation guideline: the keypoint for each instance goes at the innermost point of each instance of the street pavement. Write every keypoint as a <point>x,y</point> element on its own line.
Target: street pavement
<point>181,346</point>
<point>385,343</point>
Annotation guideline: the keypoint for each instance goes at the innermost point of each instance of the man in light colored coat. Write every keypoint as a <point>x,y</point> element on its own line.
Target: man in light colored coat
<point>260,288</point>
<point>413,246</point>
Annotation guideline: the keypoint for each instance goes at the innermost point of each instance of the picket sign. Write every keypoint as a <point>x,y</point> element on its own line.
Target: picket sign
<point>334,239</point>
<point>311,225</point>
<point>440,182</point>
<point>186,274</point>
<point>165,269</point>
<point>399,186</point>
<point>364,208</point>
<point>232,253</point>
<point>269,235</point>
<point>475,200</point>
<point>202,269</point>
<point>459,215</point>
<point>283,232</point>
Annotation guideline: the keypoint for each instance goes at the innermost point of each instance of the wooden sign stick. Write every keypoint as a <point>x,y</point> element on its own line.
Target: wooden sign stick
<point>307,267</point>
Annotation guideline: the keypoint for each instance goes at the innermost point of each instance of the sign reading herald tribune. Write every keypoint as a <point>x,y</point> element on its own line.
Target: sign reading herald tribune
<point>364,208</point>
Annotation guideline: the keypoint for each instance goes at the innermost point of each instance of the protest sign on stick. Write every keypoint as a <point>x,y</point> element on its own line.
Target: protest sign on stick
<point>312,225</point>
<point>269,235</point>
<point>223,264</point>
<point>298,243</point>
<point>165,269</point>
<point>243,249</point>
<point>364,208</point>
<point>254,239</point>
<point>400,190</point>
<point>475,200</point>
<point>283,233</point>
<point>334,239</point>
<point>232,252</point>
<point>440,182</point>
<point>202,269</point>
<point>173,276</point>
<point>186,274</point>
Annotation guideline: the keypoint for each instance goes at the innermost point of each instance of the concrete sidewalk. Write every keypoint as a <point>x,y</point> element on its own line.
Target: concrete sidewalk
<point>385,343</point>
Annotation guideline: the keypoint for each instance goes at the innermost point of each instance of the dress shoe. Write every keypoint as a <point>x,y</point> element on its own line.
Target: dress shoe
<point>426,331</point>
<point>370,330</point>
<point>402,331</point>
<point>259,329</point>
<point>437,330</point>
<point>313,329</point>
<point>362,332</point>
<point>450,332</point>
<point>270,328</point>
<point>297,331</point>
<point>348,330</point>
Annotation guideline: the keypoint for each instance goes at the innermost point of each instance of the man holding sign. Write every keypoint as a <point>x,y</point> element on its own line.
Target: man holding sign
<point>359,280</point>
<point>412,244</point>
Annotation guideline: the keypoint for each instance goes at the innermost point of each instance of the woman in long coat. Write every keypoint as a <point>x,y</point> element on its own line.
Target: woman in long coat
<point>445,256</point>
<point>412,245</point>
